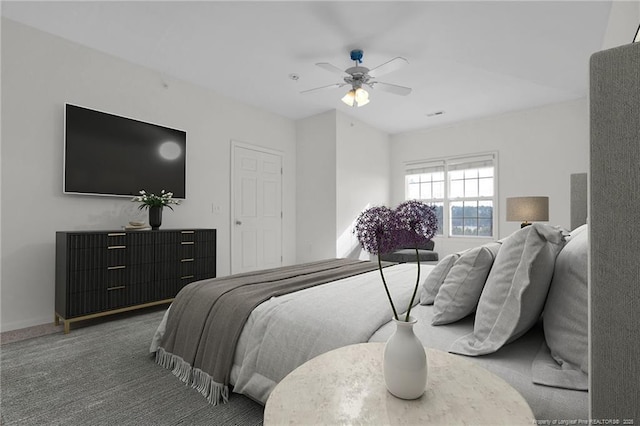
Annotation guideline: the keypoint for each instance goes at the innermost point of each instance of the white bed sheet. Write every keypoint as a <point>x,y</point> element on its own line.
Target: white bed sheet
<point>284,332</point>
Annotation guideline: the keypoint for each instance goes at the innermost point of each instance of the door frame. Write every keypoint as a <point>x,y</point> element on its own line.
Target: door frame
<point>244,145</point>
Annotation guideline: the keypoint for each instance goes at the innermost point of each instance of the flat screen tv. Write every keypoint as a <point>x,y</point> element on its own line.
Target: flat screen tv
<point>107,154</point>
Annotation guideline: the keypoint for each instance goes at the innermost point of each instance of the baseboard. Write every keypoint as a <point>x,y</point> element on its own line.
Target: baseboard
<point>19,325</point>
<point>29,332</point>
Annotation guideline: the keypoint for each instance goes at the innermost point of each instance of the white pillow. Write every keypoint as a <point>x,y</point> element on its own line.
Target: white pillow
<point>579,230</point>
<point>435,279</point>
<point>565,319</point>
<point>515,291</point>
<point>458,296</point>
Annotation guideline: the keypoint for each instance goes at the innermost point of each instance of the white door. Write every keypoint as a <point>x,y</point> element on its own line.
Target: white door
<point>256,240</point>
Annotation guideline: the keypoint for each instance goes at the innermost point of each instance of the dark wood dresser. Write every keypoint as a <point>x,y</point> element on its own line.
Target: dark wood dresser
<point>101,273</point>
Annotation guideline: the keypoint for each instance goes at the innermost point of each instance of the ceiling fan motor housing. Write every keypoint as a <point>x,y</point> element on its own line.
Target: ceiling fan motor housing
<point>357,75</point>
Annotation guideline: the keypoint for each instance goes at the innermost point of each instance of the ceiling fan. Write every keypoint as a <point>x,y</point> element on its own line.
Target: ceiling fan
<point>358,76</point>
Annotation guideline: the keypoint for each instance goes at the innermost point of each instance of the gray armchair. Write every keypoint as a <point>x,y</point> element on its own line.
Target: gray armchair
<point>408,254</point>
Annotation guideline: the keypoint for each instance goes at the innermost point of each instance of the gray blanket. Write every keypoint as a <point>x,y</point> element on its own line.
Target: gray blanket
<point>207,317</point>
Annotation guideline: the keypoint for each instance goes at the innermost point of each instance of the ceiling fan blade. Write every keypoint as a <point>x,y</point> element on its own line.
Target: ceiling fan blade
<point>389,66</point>
<point>331,68</point>
<point>391,88</point>
<point>330,86</point>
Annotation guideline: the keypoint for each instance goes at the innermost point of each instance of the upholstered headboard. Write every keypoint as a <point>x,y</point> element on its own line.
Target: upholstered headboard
<point>578,199</point>
<point>614,243</point>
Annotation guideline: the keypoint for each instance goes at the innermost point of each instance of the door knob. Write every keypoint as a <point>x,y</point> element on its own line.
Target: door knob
<point>238,222</point>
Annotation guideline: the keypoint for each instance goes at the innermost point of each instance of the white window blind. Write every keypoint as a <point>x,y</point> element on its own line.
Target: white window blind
<point>478,162</point>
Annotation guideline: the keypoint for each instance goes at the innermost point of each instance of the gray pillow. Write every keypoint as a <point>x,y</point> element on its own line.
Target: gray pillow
<point>435,279</point>
<point>515,291</point>
<point>565,319</point>
<point>458,296</point>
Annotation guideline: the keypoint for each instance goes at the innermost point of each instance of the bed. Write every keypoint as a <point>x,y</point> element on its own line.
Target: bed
<point>517,307</point>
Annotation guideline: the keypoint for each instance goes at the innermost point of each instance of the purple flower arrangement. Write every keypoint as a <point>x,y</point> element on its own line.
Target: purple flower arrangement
<point>382,230</point>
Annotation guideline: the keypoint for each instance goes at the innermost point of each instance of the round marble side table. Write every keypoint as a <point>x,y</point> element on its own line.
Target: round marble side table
<point>345,386</point>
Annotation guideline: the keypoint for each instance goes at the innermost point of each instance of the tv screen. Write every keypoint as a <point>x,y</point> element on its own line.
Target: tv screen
<point>107,154</point>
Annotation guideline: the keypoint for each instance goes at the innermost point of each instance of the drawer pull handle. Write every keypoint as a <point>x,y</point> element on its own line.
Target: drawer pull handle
<point>120,287</point>
<point>117,234</point>
<point>187,232</point>
<point>111,268</point>
<point>116,247</point>
<point>186,277</point>
<point>187,242</point>
<point>187,260</point>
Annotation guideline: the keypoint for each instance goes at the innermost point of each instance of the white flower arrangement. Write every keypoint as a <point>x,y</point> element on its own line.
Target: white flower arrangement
<point>152,200</point>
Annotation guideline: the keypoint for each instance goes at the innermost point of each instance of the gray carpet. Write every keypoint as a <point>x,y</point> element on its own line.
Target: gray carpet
<point>103,374</point>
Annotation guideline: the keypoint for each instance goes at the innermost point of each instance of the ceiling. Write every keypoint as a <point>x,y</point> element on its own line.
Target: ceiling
<point>466,59</point>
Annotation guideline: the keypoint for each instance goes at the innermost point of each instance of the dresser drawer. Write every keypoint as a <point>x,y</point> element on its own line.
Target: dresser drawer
<point>103,278</point>
<point>96,258</point>
<point>94,240</point>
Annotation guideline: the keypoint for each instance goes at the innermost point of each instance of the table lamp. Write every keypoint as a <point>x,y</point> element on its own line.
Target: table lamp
<point>527,209</point>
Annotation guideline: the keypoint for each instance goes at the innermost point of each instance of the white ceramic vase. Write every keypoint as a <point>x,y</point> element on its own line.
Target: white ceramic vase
<point>405,362</point>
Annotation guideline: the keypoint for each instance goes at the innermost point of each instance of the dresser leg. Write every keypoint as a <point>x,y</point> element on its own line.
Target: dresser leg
<point>66,323</point>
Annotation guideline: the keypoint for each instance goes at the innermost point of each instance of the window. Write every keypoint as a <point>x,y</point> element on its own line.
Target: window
<point>462,190</point>
<point>427,184</point>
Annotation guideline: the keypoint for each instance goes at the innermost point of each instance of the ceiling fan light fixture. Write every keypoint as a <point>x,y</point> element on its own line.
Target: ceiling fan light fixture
<point>350,97</point>
<point>356,97</point>
<point>362,96</point>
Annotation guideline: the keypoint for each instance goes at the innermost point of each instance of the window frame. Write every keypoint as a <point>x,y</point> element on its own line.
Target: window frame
<point>448,165</point>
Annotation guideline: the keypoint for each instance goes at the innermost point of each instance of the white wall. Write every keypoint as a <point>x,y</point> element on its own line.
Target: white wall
<point>623,23</point>
<point>538,150</point>
<point>343,166</point>
<point>363,171</point>
<point>316,180</point>
<point>39,74</point>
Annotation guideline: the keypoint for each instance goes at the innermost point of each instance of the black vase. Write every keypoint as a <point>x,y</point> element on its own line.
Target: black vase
<point>155,217</point>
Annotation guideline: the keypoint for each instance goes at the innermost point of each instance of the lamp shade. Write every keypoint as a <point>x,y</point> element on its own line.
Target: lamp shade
<point>356,97</point>
<point>350,97</point>
<point>527,209</point>
<point>362,96</point>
